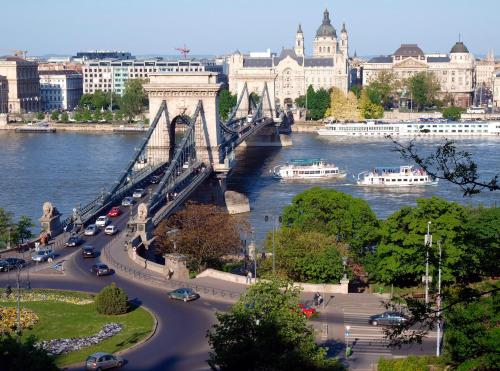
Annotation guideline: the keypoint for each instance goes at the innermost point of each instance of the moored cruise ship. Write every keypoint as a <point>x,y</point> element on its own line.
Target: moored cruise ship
<point>402,176</point>
<point>432,128</point>
<point>307,169</point>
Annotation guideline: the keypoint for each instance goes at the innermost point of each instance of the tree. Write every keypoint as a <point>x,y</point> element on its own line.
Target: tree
<point>305,256</point>
<point>40,116</point>
<point>356,89</point>
<point>134,99</point>
<point>452,113</point>
<point>23,229</point>
<point>205,233</point>
<point>78,116</point>
<point>342,107</point>
<point>97,116</point>
<point>54,116</point>
<point>401,253</point>
<point>86,115</point>
<point>382,89</point>
<point>100,100</point>
<point>316,103</point>
<point>65,117</point>
<point>119,116</point>
<point>264,330</point>
<point>368,109</point>
<point>86,101</point>
<point>111,300</point>
<point>424,87</point>
<point>108,116</point>
<point>226,103</point>
<point>349,220</point>
<point>6,227</point>
<point>18,354</point>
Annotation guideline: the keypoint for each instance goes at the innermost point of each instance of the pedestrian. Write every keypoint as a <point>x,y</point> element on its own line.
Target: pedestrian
<point>249,277</point>
<point>316,298</point>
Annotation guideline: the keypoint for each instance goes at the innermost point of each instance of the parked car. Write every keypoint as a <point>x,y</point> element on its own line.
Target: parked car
<point>91,230</point>
<point>387,319</point>
<point>5,266</point>
<point>103,361</point>
<point>43,255</point>
<point>16,262</point>
<point>110,230</point>
<point>139,193</point>
<point>128,201</point>
<point>183,293</point>
<point>88,252</point>
<point>114,212</point>
<point>102,221</point>
<point>155,179</point>
<point>74,241</point>
<point>101,269</point>
<point>306,310</point>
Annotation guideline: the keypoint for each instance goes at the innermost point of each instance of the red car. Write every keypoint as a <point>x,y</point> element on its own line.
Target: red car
<point>306,310</point>
<point>114,212</point>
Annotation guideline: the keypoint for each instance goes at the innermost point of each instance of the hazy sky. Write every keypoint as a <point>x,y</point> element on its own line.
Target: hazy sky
<point>222,26</point>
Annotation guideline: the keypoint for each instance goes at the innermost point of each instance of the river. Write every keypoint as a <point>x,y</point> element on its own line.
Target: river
<point>67,168</point>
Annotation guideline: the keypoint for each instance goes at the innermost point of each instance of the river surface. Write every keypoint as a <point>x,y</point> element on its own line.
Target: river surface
<point>67,168</point>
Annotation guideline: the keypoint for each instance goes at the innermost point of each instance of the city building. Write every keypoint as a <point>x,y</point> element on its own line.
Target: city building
<point>23,84</point>
<point>102,54</point>
<point>60,90</point>
<point>59,64</point>
<point>111,75</point>
<point>455,71</point>
<point>496,90</point>
<point>4,94</point>
<point>485,71</point>
<point>289,74</point>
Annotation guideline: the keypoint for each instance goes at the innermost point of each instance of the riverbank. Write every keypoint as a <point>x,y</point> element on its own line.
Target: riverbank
<point>78,127</point>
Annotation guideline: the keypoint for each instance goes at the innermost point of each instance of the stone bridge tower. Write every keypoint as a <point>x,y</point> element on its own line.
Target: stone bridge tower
<point>182,92</point>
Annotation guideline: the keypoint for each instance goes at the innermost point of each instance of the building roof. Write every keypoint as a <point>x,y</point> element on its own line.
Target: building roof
<point>438,59</point>
<point>381,59</point>
<point>257,62</point>
<point>318,62</point>
<point>58,72</point>
<point>11,58</point>
<point>459,47</point>
<point>409,50</point>
<point>326,29</point>
<point>288,53</point>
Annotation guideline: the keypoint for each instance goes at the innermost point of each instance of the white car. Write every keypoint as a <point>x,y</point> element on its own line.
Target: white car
<point>111,230</point>
<point>102,221</point>
<point>138,193</point>
<point>42,255</point>
<point>91,230</point>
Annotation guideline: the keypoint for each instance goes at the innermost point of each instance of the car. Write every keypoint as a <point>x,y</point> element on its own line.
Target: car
<point>102,221</point>
<point>306,310</point>
<point>114,212</point>
<point>110,230</point>
<point>183,293</point>
<point>185,165</point>
<point>16,262</point>
<point>139,193</point>
<point>88,251</point>
<point>103,361</point>
<point>43,255</point>
<point>155,179</point>
<point>91,230</point>
<point>74,241</point>
<point>128,201</point>
<point>387,319</point>
<point>5,266</point>
<point>101,269</point>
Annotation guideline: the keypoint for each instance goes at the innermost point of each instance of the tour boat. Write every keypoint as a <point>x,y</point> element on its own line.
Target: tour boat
<point>402,176</point>
<point>307,169</point>
<point>437,127</point>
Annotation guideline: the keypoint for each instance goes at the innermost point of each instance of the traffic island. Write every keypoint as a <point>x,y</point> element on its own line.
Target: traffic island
<point>72,315</point>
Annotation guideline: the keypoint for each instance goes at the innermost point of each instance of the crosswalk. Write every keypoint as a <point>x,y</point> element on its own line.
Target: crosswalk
<point>363,337</point>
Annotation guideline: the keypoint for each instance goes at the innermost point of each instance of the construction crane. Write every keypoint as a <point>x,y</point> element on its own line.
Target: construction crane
<point>184,51</point>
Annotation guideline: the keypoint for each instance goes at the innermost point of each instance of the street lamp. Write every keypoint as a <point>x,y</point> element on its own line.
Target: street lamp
<point>8,238</point>
<point>275,219</point>
<point>346,334</point>
<point>252,242</point>
<point>344,264</point>
<point>428,245</point>
<point>438,350</point>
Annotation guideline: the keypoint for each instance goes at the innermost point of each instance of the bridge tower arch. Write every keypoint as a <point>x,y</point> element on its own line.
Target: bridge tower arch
<point>182,92</point>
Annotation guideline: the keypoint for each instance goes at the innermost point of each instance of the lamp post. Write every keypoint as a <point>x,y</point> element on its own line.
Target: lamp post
<point>428,245</point>
<point>438,350</point>
<point>252,241</point>
<point>344,264</point>
<point>274,219</point>
<point>8,238</point>
<point>346,334</point>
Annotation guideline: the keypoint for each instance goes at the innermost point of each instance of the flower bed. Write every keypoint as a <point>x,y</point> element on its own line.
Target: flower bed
<point>8,319</point>
<point>45,295</point>
<point>60,346</point>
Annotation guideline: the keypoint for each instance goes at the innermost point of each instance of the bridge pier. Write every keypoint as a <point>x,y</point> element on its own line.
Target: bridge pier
<point>268,137</point>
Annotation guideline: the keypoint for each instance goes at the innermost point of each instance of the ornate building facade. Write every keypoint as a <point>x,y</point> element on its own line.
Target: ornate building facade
<point>23,84</point>
<point>289,74</point>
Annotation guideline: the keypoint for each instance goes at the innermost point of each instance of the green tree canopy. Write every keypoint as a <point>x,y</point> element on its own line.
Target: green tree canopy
<point>65,117</point>
<point>316,103</point>
<point>226,103</point>
<point>452,113</point>
<point>381,91</point>
<point>264,330</point>
<point>54,116</point>
<point>369,109</point>
<point>401,254</point>
<point>424,88</point>
<point>342,107</point>
<point>350,220</point>
<point>24,355</point>
<point>134,99</point>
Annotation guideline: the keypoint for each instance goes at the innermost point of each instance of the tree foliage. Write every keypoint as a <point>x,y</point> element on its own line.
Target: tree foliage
<point>452,113</point>
<point>308,256</point>
<point>349,220</point>
<point>343,107</point>
<point>18,232</point>
<point>424,88</point>
<point>111,300</point>
<point>205,233</point>
<point>226,103</point>
<point>54,116</point>
<point>24,355</point>
<point>65,117</point>
<point>134,99</point>
<point>317,103</point>
<point>265,331</point>
<point>369,109</point>
<point>382,90</point>
<point>40,116</point>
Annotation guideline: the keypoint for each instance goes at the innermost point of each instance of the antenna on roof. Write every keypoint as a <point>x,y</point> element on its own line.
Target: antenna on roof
<point>459,37</point>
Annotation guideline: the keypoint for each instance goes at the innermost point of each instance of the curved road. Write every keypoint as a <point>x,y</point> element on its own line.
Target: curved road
<point>180,340</point>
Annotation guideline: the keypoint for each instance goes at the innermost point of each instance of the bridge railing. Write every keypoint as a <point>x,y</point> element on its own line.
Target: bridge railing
<point>137,274</point>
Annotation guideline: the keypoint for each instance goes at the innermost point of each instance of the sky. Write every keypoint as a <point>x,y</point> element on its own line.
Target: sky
<point>157,27</point>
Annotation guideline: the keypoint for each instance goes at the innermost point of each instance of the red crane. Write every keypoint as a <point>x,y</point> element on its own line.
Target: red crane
<point>184,51</point>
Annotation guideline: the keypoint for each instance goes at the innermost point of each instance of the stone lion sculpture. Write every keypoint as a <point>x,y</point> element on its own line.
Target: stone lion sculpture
<point>142,212</point>
<point>48,210</point>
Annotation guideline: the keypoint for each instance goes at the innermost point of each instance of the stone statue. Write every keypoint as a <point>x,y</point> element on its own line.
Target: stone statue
<point>142,212</point>
<point>48,210</point>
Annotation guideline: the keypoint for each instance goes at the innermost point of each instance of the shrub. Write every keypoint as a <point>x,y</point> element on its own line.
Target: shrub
<point>40,116</point>
<point>54,116</point>
<point>65,117</point>
<point>452,113</point>
<point>111,300</point>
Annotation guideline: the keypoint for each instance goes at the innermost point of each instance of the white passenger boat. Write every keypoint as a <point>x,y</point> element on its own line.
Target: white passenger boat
<point>314,168</point>
<point>402,176</point>
<point>421,128</point>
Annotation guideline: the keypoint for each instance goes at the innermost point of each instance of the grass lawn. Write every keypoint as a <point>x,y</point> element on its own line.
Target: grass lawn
<point>64,320</point>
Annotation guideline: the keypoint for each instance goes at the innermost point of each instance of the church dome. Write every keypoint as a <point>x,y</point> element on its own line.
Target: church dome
<point>459,47</point>
<point>326,29</point>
